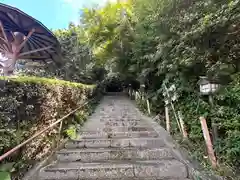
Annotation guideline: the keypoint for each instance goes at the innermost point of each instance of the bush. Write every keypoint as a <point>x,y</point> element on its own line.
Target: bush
<point>225,113</point>
<point>30,104</point>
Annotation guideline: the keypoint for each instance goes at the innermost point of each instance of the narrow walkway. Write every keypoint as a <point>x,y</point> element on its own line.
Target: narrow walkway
<point>117,143</point>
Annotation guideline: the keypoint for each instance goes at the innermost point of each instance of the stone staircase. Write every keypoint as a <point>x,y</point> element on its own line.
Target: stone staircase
<point>116,143</point>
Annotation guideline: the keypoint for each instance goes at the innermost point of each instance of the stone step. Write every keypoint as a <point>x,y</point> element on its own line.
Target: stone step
<point>115,143</point>
<point>126,128</point>
<point>104,128</point>
<point>124,117</point>
<point>118,124</point>
<point>132,178</point>
<point>122,123</point>
<point>136,134</point>
<point>115,170</point>
<point>120,119</point>
<point>119,127</point>
<point>121,113</point>
<point>115,119</point>
<point>102,154</point>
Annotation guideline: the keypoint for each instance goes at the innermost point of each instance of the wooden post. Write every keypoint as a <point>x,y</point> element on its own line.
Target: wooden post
<point>148,107</point>
<point>174,112</point>
<point>213,125</point>
<point>130,93</point>
<point>137,95</point>
<point>208,141</point>
<point>167,118</point>
<point>184,131</point>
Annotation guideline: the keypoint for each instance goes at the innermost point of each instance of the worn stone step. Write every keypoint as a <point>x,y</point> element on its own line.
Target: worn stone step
<point>122,123</point>
<point>126,128</point>
<point>115,170</point>
<point>132,178</point>
<point>116,143</point>
<point>120,119</point>
<point>126,117</point>
<point>101,154</point>
<point>119,124</point>
<point>108,129</point>
<point>134,134</point>
<point>114,119</point>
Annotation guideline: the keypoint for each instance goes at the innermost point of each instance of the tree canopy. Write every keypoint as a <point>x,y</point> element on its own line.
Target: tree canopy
<point>158,42</point>
<point>174,42</point>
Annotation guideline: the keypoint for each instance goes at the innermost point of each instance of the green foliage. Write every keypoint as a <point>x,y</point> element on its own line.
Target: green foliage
<point>30,104</point>
<point>45,81</point>
<point>76,53</point>
<point>5,171</point>
<point>228,119</point>
<point>108,30</point>
<point>5,175</point>
<point>74,66</point>
<point>175,42</point>
<point>7,167</point>
<point>71,132</point>
<point>141,100</point>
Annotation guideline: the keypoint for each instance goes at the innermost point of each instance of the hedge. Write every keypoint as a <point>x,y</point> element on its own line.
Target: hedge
<point>29,104</point>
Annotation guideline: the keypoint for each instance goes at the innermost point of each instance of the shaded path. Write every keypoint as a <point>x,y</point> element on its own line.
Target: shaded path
<point>117,142</point>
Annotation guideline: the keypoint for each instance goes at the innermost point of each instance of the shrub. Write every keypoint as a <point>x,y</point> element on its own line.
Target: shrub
<point>30,104</point>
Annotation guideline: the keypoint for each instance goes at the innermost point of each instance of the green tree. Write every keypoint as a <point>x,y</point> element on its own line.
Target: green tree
<point>174,41</point>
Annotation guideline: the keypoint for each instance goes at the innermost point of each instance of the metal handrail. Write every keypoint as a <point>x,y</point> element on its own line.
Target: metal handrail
<point>39,133</point>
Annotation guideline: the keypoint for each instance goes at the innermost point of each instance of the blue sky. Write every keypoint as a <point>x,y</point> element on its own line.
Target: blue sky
<point>54,14</point>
